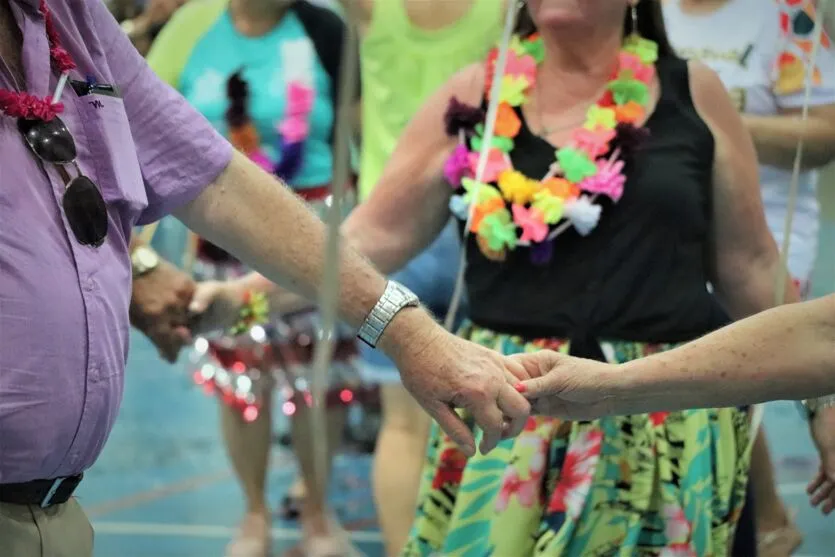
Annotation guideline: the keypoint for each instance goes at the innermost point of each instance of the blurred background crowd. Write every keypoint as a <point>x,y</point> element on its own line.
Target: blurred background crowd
<point>265,73</point>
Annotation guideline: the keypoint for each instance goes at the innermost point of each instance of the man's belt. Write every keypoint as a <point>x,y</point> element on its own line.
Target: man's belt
<point>44,493</point>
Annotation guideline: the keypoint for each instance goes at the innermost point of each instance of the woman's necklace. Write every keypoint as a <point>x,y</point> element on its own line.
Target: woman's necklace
<point>297,61</point>
<point>509,209</point>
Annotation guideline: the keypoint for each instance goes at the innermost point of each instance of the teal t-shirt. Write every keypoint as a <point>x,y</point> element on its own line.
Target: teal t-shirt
<point>198,52</point>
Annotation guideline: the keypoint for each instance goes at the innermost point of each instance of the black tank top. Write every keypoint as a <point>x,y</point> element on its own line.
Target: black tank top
<point>641,274</point>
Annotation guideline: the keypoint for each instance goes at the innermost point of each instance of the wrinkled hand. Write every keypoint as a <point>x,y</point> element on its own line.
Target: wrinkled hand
<point>159,308</point>
<point>565,386</point>
<point>822,488</point>
<point>216,305</point>
<point>447,372</point>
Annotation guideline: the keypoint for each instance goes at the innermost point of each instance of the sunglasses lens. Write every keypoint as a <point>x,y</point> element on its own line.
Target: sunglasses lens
<point>51,140</point>
<point>86,211</point>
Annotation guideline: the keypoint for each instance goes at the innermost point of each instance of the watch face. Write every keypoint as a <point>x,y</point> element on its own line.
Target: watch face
<point>146,258</point>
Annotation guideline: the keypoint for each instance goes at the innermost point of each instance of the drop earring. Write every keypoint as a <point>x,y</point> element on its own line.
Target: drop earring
<point>633,13</point>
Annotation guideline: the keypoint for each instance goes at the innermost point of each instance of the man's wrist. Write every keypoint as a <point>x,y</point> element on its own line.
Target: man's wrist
<point>411,329</point>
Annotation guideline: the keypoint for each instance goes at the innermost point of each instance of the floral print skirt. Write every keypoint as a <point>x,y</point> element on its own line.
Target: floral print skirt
<point>662,484</point>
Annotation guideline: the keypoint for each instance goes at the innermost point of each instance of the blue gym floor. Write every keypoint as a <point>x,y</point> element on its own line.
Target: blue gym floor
<point>163,487</point>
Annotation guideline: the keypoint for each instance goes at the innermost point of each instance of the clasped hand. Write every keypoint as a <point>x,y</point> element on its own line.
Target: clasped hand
<point>443,372</point>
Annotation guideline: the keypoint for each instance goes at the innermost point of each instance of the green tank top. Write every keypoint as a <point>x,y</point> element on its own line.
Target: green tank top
<point>402,65</point>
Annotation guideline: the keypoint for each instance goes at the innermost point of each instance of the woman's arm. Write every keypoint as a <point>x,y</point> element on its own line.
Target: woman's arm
<point>776,137</point>
<point>409,205</point>
<point>784,353</point>
<point>746,260</point>
<point>406,211</point>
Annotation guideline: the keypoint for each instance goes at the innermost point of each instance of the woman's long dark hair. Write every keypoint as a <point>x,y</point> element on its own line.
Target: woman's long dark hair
<point>650,25</point>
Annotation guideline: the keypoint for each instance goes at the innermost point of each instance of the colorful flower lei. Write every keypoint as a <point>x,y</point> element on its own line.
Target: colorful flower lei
<point>292,130</point>
<point>510,209</point>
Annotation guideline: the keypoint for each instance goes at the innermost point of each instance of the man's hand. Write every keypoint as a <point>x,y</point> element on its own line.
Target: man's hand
<point>565,386</point>
<point>822,488</point>
<point>444,372</point>
<point>216,305</point>
<point>159,308</point>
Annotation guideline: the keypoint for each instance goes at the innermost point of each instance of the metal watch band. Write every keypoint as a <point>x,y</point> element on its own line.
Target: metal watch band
<point>394,298</point>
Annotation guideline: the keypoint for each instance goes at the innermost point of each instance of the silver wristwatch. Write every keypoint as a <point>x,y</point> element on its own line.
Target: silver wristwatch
<point>394,298</point>
<point>143,260</point>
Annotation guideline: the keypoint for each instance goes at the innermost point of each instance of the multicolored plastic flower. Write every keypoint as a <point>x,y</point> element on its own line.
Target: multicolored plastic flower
<point>600,117</point>
<point>575,164</point>
<point>459,207</point>
<point>561,187</point>
<point>608,180</point>
<point>483,209</point>
<point>498,230</point>
<point>508,122</point>
<point>583,214</point>
<point>644,49</point>
<point>461,117</point>
<point>522,65</point>
<point>629,90</point>
<point>549,205</point>
<point>478,192</point>
<point>516,187</point>
<point>496,162</point>
<point>457,166</point>
<point>532,223</point>
<point>513,90</point>
<point>594,142</point>
<point>632,66</point>
<point>630,113</point>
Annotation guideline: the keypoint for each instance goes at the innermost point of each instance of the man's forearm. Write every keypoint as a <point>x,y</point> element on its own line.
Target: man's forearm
<point>776,139</point>
<point>250,214</point>
<point>784,353</point>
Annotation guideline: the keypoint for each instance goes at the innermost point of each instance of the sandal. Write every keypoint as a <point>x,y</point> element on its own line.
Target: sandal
<point>337,543</point>
<point>780,542</point>
<point>249,542</point>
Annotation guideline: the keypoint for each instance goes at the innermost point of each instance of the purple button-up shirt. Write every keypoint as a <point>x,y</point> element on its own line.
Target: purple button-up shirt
<point>64,307</point>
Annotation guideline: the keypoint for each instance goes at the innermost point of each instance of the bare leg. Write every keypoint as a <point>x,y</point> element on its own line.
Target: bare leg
<point>248,446</point>
<point>315,512</point>
<point>398,461</point>
<point>777,534</point>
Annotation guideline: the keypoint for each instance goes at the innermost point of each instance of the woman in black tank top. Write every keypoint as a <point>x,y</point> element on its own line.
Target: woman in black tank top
<point>614,282</point>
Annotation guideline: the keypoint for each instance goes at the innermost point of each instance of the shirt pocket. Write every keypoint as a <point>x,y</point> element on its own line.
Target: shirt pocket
<point>113,156</point>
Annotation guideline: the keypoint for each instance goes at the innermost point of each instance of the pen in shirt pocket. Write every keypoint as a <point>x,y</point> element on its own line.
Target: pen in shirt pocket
<point>93,87</point>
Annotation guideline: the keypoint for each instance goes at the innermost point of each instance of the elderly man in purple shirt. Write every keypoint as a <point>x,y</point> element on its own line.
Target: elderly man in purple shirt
<point>65,279</point>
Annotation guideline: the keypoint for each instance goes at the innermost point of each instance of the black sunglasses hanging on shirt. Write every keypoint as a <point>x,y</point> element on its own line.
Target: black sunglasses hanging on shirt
<point>83,203</point>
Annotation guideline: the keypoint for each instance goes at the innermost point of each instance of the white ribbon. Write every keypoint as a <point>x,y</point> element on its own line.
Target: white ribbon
<point>489,127</point>
<point>329,291</point>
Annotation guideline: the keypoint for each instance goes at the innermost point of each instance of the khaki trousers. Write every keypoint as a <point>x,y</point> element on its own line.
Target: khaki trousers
<point>57,531</point>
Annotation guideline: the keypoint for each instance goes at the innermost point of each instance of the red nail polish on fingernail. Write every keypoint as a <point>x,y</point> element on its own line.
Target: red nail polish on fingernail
<point>520,387</point>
